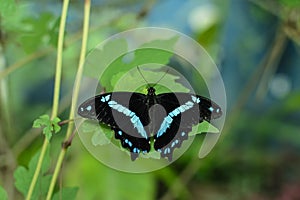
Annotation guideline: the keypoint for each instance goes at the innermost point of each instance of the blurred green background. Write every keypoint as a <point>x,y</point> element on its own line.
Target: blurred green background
<point>255,44</point>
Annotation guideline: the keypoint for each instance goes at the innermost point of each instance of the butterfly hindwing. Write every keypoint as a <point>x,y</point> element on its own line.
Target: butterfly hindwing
<point>135,145</point>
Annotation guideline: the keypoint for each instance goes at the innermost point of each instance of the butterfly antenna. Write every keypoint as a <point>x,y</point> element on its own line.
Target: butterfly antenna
<point>161,77</point>
<point>147,81</point>
<point>143,75</point>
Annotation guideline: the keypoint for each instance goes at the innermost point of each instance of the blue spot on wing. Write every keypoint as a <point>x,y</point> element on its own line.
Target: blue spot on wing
<point>105,98</point>
<point>120,132</point>
<point>195,99</point>
<point>89,108</point>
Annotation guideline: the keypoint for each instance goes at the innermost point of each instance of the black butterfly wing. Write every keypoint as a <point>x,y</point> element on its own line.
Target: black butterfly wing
<point>135,145</point>
<point>126,113</point>
<point>183,111</point>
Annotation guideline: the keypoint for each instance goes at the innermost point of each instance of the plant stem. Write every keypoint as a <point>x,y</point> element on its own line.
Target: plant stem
<point>56,93</point>
<point>63,151</point>
<point>24,61</point>
<point>59,59</point>
<point>37,170</point>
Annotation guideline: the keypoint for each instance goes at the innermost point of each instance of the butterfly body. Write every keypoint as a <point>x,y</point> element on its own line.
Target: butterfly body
<point>138,119</point>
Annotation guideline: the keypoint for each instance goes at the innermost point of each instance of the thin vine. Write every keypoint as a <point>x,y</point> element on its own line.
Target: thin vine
<point>56,94</point>
<point>63,151</point>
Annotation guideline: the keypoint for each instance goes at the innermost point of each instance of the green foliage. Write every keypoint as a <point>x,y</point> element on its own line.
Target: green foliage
<point>24,176</point>
<point>7,8</point>
<point>100,139</point>
<point>291,104</point>
<point>43,30</point>
<point>132,81</point>
<point>204,127</point>
<point>12,15</point>
<point>3,194</point>
<point>100,182</point>
<point>152,52</point>
<point>290,3</point>
<point>66,193</point>
<point>146,54</point>
<point>101,134</point>
<point>94,66</point>
<point>259,147</point>
<point>32,32</point>
<point>49,126</point>
<point>126,79</point>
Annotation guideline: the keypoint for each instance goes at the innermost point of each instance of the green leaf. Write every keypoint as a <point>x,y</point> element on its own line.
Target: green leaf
<point>7,8</point>
<point>23,177</point>
<point>40,31</point>
<point>49,126</point>
<point>152,154</point>
<point>43,120</point>
<point>99,139</point>
<point>141,56</point>
<point>66,193</point>
<point>95,66</point>
<point>101,133</point>
<point>3,194</point>
<point>12,15</point>
<point>163,44</point>
<point>53,33</point>
<point>129,82</point>
<point>204,127</point>
<point>56,127</point>
<point>157,51</point>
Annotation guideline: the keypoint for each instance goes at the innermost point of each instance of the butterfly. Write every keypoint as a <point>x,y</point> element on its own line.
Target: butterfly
<point>138,120</point>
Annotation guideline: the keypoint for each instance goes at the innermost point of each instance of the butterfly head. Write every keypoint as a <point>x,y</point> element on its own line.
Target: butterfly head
<point>151,91</point>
